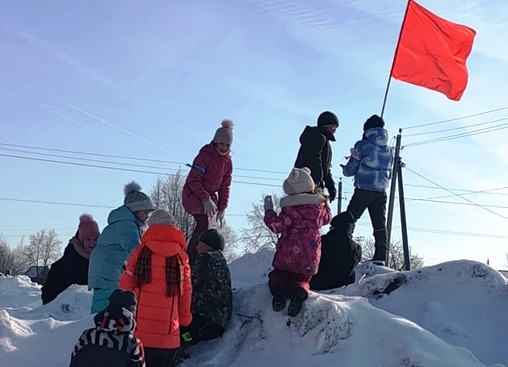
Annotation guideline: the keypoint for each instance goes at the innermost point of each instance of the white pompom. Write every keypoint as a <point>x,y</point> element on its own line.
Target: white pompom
<point>131,186</point>
<point>228,124</point>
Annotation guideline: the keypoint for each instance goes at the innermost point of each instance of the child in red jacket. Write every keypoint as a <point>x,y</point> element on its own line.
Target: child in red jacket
<point>206,190</point>
<point>158,272</point>
<point>303,212</point>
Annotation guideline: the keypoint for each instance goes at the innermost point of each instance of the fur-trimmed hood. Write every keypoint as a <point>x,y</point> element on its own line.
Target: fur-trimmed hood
<point>302,199</point>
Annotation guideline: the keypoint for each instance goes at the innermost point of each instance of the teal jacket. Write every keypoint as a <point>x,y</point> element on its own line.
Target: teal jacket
<point>114,247</point>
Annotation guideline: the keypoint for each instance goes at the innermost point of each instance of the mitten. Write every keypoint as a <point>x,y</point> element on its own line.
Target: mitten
<point>268,203</point>
<point>209,207</point>
<point>330,186</point>
<point>221,214</point>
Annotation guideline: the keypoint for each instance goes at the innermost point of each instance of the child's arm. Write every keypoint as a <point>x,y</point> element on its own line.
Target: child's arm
<point>129,236</point>
<point>127,281</point>
<point>184,303</point>
<point>195,177</point>
<point>353,163</point>
<point>277,223</point>
<point>137,356</point>
<point>325,216</point>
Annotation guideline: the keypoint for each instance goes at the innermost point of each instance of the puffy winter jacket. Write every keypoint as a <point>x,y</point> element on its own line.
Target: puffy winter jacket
<point>371,161</point>
<point>298,249</point>
<point>159,316</point>
<point>212,297</point>
<point>316,153</point>
<point>209,176</point>
<point>114,247</point>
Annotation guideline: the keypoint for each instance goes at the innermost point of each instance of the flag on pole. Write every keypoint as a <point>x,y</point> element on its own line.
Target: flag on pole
<point>432,52</point>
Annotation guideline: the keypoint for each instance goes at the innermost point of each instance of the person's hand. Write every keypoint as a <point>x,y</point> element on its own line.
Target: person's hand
<point>330,186</point>
<point>268,203</point>
<point>221,214</point>
<point>209,207</point>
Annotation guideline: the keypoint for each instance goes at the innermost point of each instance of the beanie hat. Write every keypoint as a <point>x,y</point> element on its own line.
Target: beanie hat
<point>135,200</point>
<point>224,134</point>
<point>327,118</point>
<point>123,299</point>
<point>212,238</point>
<point>373,121</point>
<point>161,217</point>
<point>344,222</point>
<point>87,228</point>
<point>299,181</point>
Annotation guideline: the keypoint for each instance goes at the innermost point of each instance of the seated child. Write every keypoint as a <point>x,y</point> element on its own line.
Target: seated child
<point>111,342</point>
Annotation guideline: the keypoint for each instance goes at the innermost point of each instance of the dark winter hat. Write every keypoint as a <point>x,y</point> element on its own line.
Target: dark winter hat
<point>162,217</point>
<point>224,134</point>
<point>87,228</point>
<point>123,299</point>
<point>344,222</point>
<point>135,200</point>
<point>212,238</point>
<point>327,118</point>
<point>373,121</point>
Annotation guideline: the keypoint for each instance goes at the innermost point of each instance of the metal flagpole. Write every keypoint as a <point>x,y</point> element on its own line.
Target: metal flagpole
<point>395,171</point>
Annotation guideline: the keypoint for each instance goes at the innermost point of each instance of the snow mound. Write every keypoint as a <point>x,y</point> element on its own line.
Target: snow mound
<point>19,291</point>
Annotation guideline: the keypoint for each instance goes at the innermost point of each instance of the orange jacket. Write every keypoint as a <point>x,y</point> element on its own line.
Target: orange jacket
<point>159,317</point>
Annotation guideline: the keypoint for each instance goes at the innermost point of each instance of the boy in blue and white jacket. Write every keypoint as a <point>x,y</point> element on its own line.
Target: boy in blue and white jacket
<point>371,163</point>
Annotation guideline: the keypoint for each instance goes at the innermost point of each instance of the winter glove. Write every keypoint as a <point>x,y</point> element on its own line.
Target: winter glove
<point>209,207</point>
<point>330,186</point>
<point>221,214</point>
<point>268,203</point>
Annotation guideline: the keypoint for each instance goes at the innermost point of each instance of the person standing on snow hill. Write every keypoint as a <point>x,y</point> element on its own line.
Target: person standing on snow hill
<point>316,152</point>
<point>298,249</point>
<point>212,297</point>
<point>158,272</point>
<point>72,267</point>
<point>339,255</point>
<point>116,243</point>
<point>111,342</point>
<point>206,189</point>
<point>371,164</point>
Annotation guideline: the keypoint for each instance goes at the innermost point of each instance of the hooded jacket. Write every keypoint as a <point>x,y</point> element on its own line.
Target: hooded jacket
<point>209,176</point>
<point>371,161</point>
<point>159,316</point>
<point>298,249</point>
<point>339,255</point>
<point>316,153</point>
<point>114,247</point>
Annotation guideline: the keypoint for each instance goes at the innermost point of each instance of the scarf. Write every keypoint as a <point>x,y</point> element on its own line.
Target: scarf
<point>174,272</point>
<point>80,248</point>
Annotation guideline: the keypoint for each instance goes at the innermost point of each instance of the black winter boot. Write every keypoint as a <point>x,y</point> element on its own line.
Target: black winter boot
<point>298,295</point>
<point>278,303</point>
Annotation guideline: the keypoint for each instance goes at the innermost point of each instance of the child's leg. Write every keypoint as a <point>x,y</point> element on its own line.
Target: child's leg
<point>359,202</point>
<point>100,299</point>
<point>158,357</point>
<point>377,213</point>
<point>202,224</point>
<point>279,288</point>
<point>299,284</point>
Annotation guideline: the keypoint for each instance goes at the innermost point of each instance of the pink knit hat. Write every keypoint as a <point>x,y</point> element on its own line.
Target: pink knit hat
<point>88,227</point>
<point>224,134</point>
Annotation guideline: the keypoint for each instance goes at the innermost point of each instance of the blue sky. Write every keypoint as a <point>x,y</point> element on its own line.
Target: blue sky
<point>152,81</point>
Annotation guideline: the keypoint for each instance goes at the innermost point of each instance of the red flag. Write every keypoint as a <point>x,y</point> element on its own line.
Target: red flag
<point>432,52</point>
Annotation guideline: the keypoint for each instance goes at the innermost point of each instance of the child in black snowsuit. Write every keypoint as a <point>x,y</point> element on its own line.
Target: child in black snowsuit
<point>339,255</point>
<point>111,342</point>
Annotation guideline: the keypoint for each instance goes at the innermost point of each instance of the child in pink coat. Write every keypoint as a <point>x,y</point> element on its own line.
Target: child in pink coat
<point>303,212</point>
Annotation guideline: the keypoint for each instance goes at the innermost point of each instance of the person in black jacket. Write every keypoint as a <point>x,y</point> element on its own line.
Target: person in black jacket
<point>72,267</point>
<point>111,343</point>
<point>339,255</point>
<point>316,153</point>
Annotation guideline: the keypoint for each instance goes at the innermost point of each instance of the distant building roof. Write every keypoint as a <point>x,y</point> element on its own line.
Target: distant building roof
<point>32,271</point>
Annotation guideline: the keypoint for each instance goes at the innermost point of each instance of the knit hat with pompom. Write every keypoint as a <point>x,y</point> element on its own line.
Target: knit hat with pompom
<point>135,200</point>
<point>299,181</point>
<point>224,134</point>
<point>87,228</point>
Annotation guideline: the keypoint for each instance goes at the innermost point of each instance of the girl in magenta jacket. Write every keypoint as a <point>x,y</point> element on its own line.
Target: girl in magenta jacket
<point>303,212</point>
<point>206,190</point>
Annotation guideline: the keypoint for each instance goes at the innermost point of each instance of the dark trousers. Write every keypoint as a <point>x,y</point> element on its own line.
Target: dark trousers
<point>283,283</point>
<point>157,357</point>
<point>202,224</point>
<point>375,202</point>
<point>200,329</point>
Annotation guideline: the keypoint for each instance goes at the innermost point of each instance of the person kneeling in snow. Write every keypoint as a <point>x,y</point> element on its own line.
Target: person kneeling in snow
<point>112,341</point>
<point>339,255</point>
<point>304,211</point>
<point>212,297</point>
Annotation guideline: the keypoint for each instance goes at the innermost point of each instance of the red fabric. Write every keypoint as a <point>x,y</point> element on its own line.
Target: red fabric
<point>298,249</point>
<point>282,283</point>
<point>432,52</point>
<point>215,180</point>
<point>159,317</point>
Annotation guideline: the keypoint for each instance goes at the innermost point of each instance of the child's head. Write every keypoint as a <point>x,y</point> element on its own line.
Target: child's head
<point>137,202</point>
<point>119,315</point>
<point>223,138</point>
<point>373,121</point>
<point>162,217</point>
<point>344,222</point>
<point>299,181</point>
<point>88,231</point>
<point>210,240</point>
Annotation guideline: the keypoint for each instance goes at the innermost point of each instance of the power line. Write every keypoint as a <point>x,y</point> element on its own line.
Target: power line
<point>455,119</point>
<point>454,203</point>
<point>456,128</point>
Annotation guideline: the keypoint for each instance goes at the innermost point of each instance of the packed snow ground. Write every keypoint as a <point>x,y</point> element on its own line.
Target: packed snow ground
<point>451,314</point>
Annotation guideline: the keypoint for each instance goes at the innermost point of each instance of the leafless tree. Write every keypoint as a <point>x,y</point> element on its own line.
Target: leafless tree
<point>257,235</point>
<point>42,250</point>
<point>396,258</point>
